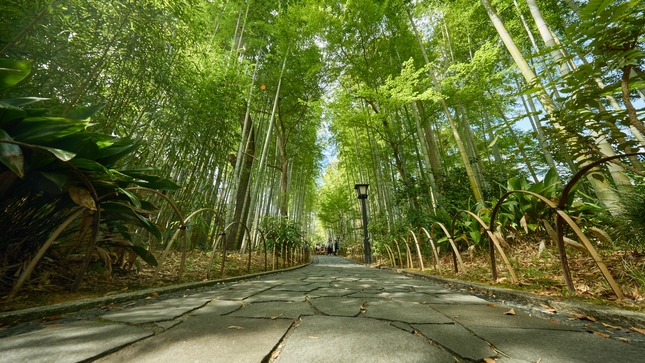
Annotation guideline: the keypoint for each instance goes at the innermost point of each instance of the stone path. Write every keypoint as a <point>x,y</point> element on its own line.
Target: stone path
<point>331,311</point>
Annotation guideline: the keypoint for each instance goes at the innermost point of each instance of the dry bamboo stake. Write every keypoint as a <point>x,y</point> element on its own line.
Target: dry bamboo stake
<point>437,265</point>
<point>416,242</point>
<point>41,252</point>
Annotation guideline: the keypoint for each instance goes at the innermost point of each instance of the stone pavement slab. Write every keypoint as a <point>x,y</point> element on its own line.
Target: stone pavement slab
<point>211,338</point>
<point>156,311</point>
<point>328,291</point>
<point>217,307</point>
<point>356,340</point>
<point>337,306</point>
<point>457,339</point>
<point>550,346</point>
<point>464,299</point>
<point>272,295</point>
<point>410,320</point>
<point>274,310</point>
<point>235,292</point>
<point>410,296</point>
<point>487,316</point>
<point>301,287</point>
<point>404,311</point>
<point>428,289</point>
<point>74,342</point>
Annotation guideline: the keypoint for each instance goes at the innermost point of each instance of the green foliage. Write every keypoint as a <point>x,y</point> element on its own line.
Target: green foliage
<point>629,228</point>
<point>406,192</point>
<point>51,165</point>
<point>281,233</point>
<point>611,33</point>
<point>455,190</point>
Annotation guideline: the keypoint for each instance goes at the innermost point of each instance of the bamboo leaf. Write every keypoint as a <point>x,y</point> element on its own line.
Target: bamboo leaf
<point>11,155</point>
<point>59,179</point>
<point>12,72</point>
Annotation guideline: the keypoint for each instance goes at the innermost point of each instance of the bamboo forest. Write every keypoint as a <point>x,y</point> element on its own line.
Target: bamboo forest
<point>156,142</point>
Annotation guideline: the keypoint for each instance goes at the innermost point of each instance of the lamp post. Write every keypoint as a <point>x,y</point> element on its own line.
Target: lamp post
<point>361,191</point>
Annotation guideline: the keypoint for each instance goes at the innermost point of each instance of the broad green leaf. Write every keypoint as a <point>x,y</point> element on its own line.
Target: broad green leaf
<point>133,198</point>
<point>37,130</point>
<point>10,116</point>
<point>126,211</point>
<point>12,72</point>
<point>59,179</point>
<point>119,148</point>
<point>144,254</point>
<point>61,155</point>
<point>123,230</point>
<point>22,101</point>
<point>90,165</point>
<point>11,155</point>
<point>83,112</point>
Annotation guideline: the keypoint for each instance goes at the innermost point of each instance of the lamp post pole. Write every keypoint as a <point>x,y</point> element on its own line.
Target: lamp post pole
<point>361,190</point>
<point>366,241</point>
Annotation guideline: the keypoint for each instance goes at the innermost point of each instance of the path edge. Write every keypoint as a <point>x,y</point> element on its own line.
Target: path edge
<point>562,305</point>
<point>83,304</point>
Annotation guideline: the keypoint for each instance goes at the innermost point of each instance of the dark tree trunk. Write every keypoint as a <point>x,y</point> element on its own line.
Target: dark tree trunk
<point>236,232</point>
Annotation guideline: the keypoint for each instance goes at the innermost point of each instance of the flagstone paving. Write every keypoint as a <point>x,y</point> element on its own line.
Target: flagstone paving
<point>331,311</point>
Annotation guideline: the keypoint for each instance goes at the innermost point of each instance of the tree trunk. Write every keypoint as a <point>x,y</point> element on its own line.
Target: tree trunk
<point>603,190</point>
<point>462,150</point>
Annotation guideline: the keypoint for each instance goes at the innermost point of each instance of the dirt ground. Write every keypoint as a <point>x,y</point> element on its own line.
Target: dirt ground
<point>51,280</point>
<point>543,274</point>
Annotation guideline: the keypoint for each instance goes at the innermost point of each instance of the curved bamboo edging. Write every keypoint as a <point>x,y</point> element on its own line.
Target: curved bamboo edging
<point>182,229</point>
<point>492,237</point>
<point>561,215</point>
<point>248,235</point>
<point>408,258</point>
<point>390,253</point>
<point>416,242</point>
<point>264,243</point>
<point>437,265</point>
<point>399,251</point>
<point>456,257</point>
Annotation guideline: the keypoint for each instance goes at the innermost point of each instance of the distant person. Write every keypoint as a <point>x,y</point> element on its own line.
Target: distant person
<point>336,247</point>
<point>306,251</point>
<point>330,246</point>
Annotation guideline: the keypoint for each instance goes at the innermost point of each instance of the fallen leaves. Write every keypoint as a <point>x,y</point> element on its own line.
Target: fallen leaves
<point>236,327</point>
<point>491,305</point>
<point>490,360</point>
<point>51,318</point>
<point>584,317</point>
<point>612,326</point>
<point>600,334</point>
<point>153,296</point>
<point>510,312</point>
<point>637,330</point>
